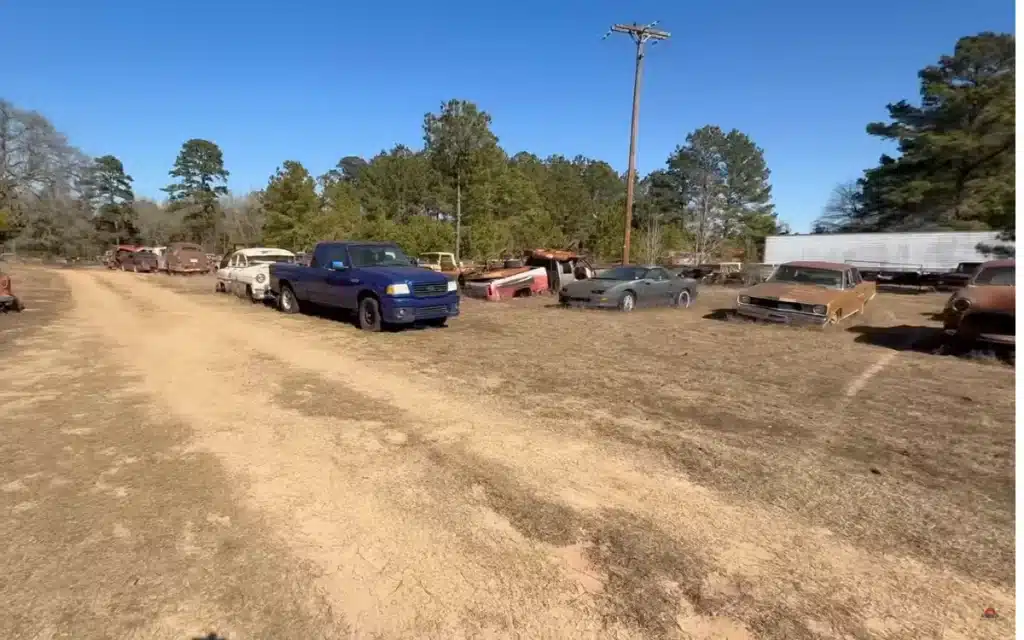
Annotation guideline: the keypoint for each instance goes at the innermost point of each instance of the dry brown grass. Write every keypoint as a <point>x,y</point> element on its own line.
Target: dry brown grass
<point>535,472</point>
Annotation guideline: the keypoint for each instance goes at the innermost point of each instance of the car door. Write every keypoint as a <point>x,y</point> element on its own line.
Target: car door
<point>851,299</point>
<point>340,288</point>
<point>864,290</point>
<point>224,271</point>
<point>661,286</point>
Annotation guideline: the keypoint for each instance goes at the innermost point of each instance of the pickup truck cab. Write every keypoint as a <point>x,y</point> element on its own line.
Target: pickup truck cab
<point>374,279</point>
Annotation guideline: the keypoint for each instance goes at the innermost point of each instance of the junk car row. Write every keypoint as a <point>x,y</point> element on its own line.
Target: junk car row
<point>383,286</point>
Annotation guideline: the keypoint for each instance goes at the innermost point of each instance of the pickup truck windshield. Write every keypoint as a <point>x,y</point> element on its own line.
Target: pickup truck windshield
<point>378,256</point>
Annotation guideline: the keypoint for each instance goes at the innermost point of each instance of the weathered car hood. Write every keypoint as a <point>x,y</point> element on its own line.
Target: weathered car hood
<point>788,292</point>
<point>588,287</point>
<point>991,297</point>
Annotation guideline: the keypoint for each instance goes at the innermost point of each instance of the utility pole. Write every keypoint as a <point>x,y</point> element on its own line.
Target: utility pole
<point>640,34</point>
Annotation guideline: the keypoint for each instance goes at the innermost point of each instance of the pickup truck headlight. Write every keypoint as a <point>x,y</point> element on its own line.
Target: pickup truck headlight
<point>452,286</point>
<point>260,278</point>
<point>744,299</point>
<point>819,309</point>
<point>397,289</point>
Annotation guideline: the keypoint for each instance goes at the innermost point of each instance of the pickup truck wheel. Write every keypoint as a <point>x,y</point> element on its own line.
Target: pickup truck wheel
<point>287,302</point>
<point>369,314</point>
<point>682,299</point>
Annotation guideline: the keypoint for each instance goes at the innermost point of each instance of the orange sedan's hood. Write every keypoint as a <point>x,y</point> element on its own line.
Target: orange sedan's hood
<point>790,292</point>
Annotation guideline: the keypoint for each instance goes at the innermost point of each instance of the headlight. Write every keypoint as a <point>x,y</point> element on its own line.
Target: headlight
<point>398,289</point>
<point>260,278</point>
<point>961,304</point>
<point>453,286</point>
<point>819,309</point>
<point>744,299</point>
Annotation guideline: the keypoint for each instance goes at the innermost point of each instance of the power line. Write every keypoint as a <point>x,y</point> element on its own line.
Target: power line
<point>641,35</point>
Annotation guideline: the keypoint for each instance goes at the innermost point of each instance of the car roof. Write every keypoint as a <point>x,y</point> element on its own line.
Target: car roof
<point>814,264</point>
<point>264,251</point>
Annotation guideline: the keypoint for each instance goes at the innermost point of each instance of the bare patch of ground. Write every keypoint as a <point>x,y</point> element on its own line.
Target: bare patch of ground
<point>113,526</point>
<point>532,472</point>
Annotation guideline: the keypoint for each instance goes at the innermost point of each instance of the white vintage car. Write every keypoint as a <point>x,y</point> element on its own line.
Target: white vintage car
<point>246,272</point>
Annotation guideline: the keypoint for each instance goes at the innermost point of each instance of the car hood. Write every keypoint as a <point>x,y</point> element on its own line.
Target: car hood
<point>790,292</point>
<point>411,274</point>
<point>591,286</point>
<point>991,297</point>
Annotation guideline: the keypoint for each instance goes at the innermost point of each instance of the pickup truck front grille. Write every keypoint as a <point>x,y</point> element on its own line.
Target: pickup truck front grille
<point>431,312</point>
<point>429,289</point>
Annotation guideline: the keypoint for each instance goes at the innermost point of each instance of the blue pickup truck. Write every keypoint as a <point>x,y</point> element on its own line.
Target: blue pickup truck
<point>374,279</point>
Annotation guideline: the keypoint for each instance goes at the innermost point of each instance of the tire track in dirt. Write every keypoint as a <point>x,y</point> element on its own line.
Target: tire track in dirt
<point>749,548</point>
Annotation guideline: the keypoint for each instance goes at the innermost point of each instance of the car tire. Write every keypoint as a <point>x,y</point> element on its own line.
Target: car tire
<point>683,299</point>
<point>368,314</point>
<point>437,322</point>
<point>627,302</point>
<point>248,294</point>
<point>287,302</point>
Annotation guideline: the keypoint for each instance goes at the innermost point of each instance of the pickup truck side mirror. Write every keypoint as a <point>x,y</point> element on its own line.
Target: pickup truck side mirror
<point>338,265</point>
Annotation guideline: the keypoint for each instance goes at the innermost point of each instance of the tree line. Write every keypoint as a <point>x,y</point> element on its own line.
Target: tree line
<point>460,192</point>
<point>955,169</point>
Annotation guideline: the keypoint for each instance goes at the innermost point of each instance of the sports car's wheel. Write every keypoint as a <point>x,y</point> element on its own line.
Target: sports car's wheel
<point>683,299</point>
<point>627,302</point>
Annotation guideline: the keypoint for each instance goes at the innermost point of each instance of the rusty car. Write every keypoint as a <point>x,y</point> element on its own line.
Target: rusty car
<point>627,287</point>
<point>186,258</point>
<point>807,293</point>
<point>8,301</point>
<point>985,309</point>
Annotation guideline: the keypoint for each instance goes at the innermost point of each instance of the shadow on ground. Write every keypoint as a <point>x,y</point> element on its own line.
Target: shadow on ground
<point>929,340</point>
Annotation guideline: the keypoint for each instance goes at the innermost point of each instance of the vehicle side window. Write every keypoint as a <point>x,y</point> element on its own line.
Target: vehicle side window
<point>226,260</point>
<point>856,276</point>
<point>566,267</point>
<point>847,279</point>
<point>325,255</point>
<point>657,274</point>
<point>447,263</point>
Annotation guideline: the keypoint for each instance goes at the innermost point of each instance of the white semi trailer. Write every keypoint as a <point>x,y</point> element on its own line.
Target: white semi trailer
<point>920,252</point>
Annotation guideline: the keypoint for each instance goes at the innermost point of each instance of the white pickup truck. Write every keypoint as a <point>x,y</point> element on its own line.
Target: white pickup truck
<point>246,272</point>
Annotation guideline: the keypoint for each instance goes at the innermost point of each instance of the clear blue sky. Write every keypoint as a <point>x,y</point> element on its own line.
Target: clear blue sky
<point>316,80</point>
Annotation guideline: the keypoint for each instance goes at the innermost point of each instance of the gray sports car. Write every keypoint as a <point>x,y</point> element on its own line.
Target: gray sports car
<point>628,287</point>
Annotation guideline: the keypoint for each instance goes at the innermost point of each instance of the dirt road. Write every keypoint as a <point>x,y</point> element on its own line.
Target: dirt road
<point>180,464</point>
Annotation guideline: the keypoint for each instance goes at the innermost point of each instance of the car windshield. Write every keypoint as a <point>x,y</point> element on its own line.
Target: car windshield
<point>967,267</point>
<point>270,259</point>
<point>997,276</point>
<point>378,256</point>
<point>808,275</point>
<point>622,273</point>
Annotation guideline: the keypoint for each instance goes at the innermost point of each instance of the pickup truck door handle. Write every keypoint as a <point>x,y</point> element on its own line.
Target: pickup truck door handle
<point>353,281</point>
